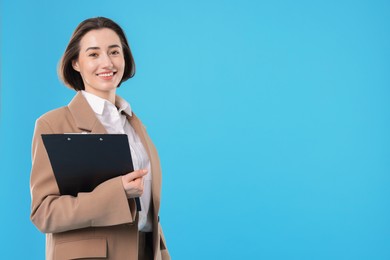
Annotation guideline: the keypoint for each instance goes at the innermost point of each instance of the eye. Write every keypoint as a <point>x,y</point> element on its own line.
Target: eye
<point>93,54</point>
<point>115,52</point>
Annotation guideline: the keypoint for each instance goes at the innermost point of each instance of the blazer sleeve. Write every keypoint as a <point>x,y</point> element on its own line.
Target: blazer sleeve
<point>106,205</point>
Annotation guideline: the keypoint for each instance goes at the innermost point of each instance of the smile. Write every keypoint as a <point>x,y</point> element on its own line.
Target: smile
<point>106,74</point>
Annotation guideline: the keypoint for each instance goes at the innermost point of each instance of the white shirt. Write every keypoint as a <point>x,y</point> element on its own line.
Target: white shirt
<point>115,122</point>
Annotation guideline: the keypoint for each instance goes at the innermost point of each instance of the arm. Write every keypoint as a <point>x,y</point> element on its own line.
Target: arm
<point>106,205</point>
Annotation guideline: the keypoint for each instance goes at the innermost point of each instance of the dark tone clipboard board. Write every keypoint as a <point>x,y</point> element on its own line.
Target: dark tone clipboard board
<point>81,162</point>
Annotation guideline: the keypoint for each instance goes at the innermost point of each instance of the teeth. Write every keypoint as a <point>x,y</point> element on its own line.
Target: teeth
<point>106,74</point>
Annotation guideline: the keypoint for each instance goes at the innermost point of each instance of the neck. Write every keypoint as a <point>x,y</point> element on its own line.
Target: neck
<point>107,95</point>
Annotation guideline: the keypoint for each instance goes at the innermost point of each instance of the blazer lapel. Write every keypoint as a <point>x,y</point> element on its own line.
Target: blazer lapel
<point>84,116</point>
<point>154,165</point>
<point>86,120</point>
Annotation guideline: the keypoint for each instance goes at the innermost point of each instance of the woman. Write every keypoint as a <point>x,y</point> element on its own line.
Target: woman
<point>103,223</point>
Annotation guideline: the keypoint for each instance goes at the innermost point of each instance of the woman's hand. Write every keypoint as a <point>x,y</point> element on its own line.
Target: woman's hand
<point>133,183</point>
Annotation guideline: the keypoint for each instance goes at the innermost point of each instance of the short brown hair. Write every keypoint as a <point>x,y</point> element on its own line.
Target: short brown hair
<point>71,77</point>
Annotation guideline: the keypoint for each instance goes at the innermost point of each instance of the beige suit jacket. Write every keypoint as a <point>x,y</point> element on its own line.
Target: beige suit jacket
<point>102,224</point>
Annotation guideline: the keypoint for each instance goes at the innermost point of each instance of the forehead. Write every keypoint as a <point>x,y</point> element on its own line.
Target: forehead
<point>100,38</point>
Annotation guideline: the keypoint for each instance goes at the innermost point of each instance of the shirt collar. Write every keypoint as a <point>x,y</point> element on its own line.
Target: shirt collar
<point>123,105</point>
<point>98,104</point>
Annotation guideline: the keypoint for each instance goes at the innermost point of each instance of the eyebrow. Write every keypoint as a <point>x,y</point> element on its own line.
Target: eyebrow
<point>97,48</point>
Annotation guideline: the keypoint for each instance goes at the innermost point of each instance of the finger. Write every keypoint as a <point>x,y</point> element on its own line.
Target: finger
<point>137,182</point>
<point>138,174</point>
<point>134,188</point>
<point>142,182</point>
<point>135,174</point>
<point>138,186</point>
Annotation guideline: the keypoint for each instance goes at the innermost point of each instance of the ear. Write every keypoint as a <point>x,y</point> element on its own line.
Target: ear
<point>75,65</point>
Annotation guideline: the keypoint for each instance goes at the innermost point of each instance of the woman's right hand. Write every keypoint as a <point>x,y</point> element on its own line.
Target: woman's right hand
<point>133,183</point>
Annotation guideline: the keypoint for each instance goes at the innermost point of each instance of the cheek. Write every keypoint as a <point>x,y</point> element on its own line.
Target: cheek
<point>85,64</point>
<point>89,66</point>
<point>122,64</point>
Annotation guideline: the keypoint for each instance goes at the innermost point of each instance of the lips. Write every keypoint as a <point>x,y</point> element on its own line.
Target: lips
<point>106,75</point>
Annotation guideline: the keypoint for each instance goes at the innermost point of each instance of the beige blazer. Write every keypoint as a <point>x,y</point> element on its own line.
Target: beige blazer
<point>101,224</point>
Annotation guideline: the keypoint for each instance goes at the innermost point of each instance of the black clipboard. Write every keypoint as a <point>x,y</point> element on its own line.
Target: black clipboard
<point>81,162</point>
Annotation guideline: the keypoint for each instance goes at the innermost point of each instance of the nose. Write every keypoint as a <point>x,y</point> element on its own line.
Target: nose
<point>106,61</point>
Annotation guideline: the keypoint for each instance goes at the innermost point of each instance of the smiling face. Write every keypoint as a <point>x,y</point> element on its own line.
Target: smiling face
<point>101,62</point>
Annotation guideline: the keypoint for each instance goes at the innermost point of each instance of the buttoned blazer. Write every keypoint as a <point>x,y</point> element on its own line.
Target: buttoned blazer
<point>100,224</point>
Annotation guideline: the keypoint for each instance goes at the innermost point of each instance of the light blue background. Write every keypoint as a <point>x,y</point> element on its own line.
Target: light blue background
<point>271,118</point>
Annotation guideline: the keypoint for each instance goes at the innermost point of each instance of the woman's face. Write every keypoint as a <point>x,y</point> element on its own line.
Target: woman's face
<point>101,63</point>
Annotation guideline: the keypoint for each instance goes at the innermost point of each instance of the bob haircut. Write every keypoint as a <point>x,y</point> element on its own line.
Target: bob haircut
<point>71,77</point>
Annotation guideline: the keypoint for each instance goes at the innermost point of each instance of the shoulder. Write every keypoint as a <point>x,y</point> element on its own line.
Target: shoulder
<point>134,117</point>
<point>60,113</point>
<point>54,115</point>
<point>59,120</point>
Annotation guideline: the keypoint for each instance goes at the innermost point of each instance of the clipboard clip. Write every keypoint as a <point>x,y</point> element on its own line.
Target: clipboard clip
<point>82,133</point>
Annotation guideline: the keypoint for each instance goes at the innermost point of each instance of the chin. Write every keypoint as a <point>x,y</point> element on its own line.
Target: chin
<point>109,87</point>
